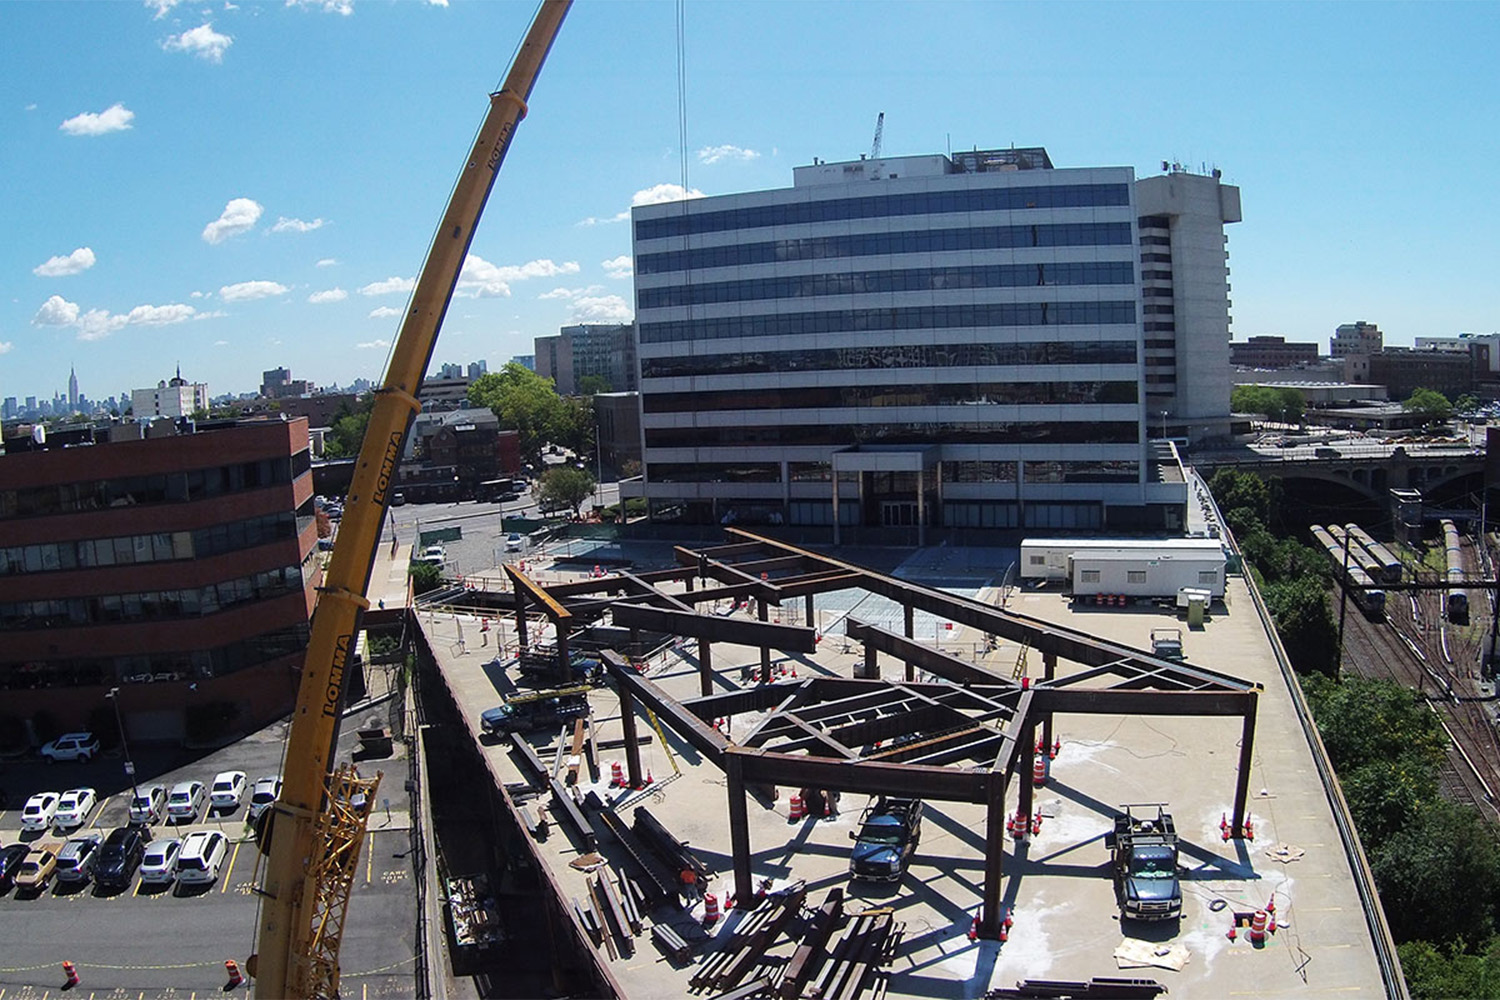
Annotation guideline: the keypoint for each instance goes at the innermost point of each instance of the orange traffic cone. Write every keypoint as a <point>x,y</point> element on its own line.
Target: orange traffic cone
<point>710,908</point>
<point>1039,771</point>
<point>71,975</point>
<point>233,969</point>
<point>796,809</point>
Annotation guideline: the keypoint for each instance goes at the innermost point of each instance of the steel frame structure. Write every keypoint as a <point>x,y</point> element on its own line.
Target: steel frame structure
<point>966,734</point>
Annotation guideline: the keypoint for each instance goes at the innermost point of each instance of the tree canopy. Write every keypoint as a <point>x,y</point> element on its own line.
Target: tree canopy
<point>348,430</point>
<point>565,487</point>
<point>527,403</point>
<point>1429,404</point>
<point>1285,405</point>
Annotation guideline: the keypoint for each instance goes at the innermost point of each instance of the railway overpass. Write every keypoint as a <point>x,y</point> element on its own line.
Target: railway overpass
<point>1368,469</point>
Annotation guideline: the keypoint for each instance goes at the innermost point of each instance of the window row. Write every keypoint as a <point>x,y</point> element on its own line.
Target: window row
<point>882,206</point>
<point>143,668</point>
<point>938,394</point>
<point>1083,472</point>
<point>952,317</point>
<point>1107,471</point>
<point>922,279</point>
<point>192,602</point>
<point>1037,352</point>
<point>1072,234</point>
<point>715,472</point>
<point>934,432</point>
<point>159,547</point>
<point>130,491</point>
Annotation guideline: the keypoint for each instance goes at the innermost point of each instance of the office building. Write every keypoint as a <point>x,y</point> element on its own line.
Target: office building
<point>177,398</point>
<point>180,568</point>
<point>1271,352</point>
<point>279,384</point>
<point>605,351</point>
<point>924,341</point>
<point>1356,338</point>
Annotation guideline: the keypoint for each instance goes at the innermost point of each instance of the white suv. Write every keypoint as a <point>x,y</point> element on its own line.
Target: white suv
<point>72,746</point>
<point>201,855</point>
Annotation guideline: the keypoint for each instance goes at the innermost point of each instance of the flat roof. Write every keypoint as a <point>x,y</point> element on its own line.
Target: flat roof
<point>1056,884</point>
<point>1152,544</point>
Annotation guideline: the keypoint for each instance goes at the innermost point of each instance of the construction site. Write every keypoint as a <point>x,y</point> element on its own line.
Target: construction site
<point>684,765</point>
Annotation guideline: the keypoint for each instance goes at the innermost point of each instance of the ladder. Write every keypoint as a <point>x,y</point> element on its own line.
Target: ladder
<point>660,738</point>
<point>1020,670</point>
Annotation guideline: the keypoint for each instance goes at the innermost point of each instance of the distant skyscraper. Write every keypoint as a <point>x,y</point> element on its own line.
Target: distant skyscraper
<point>72,387</point>
<point>478,368</point>
<point>10,409</point>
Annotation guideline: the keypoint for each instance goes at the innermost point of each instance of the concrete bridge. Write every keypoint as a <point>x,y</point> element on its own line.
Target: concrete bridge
<point>1367,468</point>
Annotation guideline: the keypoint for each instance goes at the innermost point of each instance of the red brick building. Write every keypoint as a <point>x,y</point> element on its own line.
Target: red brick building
<point>182,569</point>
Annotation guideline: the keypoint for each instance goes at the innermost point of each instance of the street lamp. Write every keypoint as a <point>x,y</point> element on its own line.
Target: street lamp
<point>135,792</point>
<point>1163,425</point>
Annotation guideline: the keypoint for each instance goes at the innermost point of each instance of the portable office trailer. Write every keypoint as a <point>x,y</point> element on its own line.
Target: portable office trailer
<point>1145,574</point>
<point>1047,558</point>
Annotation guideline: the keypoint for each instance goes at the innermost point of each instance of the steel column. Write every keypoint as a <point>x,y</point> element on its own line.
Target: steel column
<point>632,747</point>
<point>765,651</point>
<point>1028,790</point>
<point>1049,672</point>
<point>1242,780</point>
<point>994,857</point>
<point>521,617</point>
<point>811,621</point>
<point>739,830</point>
<point>705,668</point>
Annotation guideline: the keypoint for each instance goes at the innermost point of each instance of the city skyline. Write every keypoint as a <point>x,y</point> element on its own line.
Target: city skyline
<point>274,172</point>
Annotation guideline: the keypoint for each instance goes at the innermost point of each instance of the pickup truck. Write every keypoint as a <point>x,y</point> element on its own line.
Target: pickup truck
<point>889,832</point>
<point>1144,855</point>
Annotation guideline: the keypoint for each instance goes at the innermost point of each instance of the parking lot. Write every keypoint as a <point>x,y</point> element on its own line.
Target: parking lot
<point>173,939</point>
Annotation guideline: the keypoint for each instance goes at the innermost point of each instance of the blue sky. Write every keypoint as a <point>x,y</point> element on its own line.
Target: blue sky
<point>235,186</point>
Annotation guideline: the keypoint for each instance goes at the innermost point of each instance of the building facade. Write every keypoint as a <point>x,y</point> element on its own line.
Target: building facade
<point>603,350</point>
<point>1356,338</point>
<point>924,341</point>
<point>177,398</point>
<point>181,569</point>
<point>1271,352</point>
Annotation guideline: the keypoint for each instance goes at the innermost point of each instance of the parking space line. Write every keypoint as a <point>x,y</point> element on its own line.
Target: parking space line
<point>369,856</point>
<point>225,877</point>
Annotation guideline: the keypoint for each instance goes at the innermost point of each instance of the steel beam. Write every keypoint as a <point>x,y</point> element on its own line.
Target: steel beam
<point>739,830</point>
<point>931,660</point>
<point>632,744</point>
<point>1118,702</point>
<point>790,638</point>
<point>538,595</point>
<point>942,784</point>
<point>1242,778</point>
<point>755,699</point>
<point>702,737</point>
<point>990,916</point>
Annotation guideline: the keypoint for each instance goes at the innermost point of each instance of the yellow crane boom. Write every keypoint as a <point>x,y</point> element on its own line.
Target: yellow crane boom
<point>318,823</point>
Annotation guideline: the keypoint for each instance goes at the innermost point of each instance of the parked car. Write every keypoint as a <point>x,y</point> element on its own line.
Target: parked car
<point>36,871</point>
<point>39,810</point>
<point>228,790</point>
<point>159,865</point>
<point>120,855</point>
<point>11,856</point>
<point>75,862</point>
<point>74,807</point>
<point>185,801</point>
<point>149,804</point>
<point>266,791</point>
<point>71,746</point>
<point>889,832</point>
<point>202,854</point>
<point>513,542</point>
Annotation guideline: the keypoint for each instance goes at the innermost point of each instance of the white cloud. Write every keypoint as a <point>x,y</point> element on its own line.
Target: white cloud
<point>199,295</point>
<point>31,107</point>
<point>202,41</point>
<point>327,262</point>
<point>115,118</point>
<point>388,287</point>
<point>619,267</point>
<point>161,7</point>
<point>371,345</point>
<point>480,279</point>
<point>77,262</point>
<point>96,324</point>
<point>221,343</point>
<point>5,346</point>
<point>56,311</point>
<point>239,216</point>
<point>562,293</point>
<point>244,291</point>
<point>344,7</point>
<point>713,154</point>
<point>384,311</point>
<point>328,295</point>
<point>657,194</point>
<point>437,3</point>
<point>601,309</point>
<point>285,225</point>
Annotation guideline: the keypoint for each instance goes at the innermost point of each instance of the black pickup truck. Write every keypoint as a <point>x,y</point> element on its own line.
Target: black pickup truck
<point>1147,878</point>
<point>889,832</point>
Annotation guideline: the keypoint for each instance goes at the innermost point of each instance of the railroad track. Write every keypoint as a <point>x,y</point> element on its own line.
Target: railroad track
<point>1396,647</point>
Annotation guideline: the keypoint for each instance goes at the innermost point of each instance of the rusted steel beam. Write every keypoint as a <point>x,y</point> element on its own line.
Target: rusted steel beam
<point>702,737</point>
<point>790,638</point>
<point>943,784</point>
<point>752,699</point>
<point>931,660</point>
<point>1145,702</point>
<point>538,595</point>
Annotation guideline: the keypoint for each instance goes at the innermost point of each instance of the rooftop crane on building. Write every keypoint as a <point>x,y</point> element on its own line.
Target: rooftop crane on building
<point>879,131</point>
<point>319,820</point>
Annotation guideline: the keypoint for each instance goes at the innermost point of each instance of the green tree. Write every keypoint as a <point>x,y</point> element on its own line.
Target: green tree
<point>1450,974</point>
<point>348,430</point>
<point>424,577</point>
<point>1429,404</point>
<point>591,384</point>
<point>1233,489</point>
<point>1467,403</point>
<point>564,487</point>
<point>524,402</point>
<point>1285,405</point>
<point>1304,622</point>
<point>1439,875</point>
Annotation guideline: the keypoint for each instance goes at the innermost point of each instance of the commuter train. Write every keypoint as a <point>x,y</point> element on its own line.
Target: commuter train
<point>1390,566</point>
<point>1357,582</point>
<point>1455,599</point>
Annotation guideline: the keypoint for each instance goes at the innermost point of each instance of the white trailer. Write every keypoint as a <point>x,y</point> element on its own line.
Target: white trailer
<point>1132,573</point>
<point>1048,558</point>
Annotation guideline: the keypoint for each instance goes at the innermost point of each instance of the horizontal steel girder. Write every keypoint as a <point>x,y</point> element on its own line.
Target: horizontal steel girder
<point>942,784</point>
<point>925,657</point>
<point>700,736</point>
<point>789,638</point>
